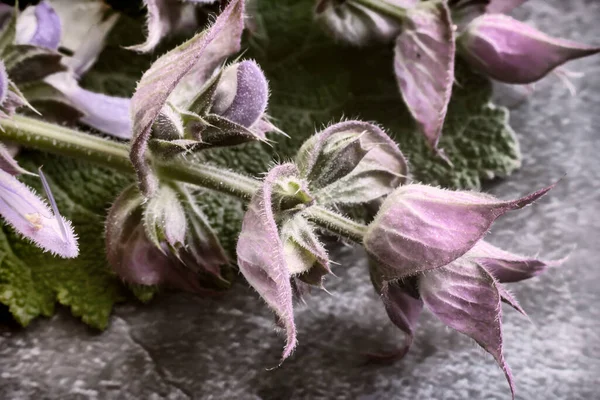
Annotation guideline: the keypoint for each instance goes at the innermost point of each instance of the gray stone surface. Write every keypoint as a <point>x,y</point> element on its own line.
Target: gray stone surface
<point>183,347</point>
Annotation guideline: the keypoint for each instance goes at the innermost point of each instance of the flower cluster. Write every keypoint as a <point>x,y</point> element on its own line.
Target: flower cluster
<point>229,109</point>
<point>425,244</point>
<point>428,35</point>
<point>199,104</point>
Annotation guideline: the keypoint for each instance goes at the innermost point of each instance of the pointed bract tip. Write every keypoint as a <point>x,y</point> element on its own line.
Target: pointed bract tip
<point>511,51</point>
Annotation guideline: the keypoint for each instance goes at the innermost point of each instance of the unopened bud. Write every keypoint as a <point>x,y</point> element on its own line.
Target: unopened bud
<point>420,228</point>
<point>511,51</point>
<point>351,162</point>
<point>242,94</point>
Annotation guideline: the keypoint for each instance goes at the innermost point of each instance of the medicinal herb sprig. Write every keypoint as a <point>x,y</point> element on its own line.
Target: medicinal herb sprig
<point>350,180</point>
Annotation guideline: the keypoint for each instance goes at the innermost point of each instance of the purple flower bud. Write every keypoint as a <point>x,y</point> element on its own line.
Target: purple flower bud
<point>508,267</point>
<point>195,58</point>
<point>133,256</point>
<point>242,94</point>
<point>464,296</point>
<point>39,26</point>
<point>419,228</point>
<point>352,162</point>
<point>513,52</point>
<point>261,257</point>
<point>30,216</point>
<point>354,23</point>
<point>424,66</point>
<point>164,219</point>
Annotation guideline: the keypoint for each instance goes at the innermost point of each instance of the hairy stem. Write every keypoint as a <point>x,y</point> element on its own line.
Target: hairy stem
<point>63,141</point>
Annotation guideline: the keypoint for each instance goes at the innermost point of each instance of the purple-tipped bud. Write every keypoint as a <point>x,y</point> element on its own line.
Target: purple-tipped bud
<point>164,219</point>
<point>30,216</point>
<point>39,26</point>
<point>354,23</point>
<point>511,51</point>
<point>242,94</point>
<point>419,228</point>
<point>191,61</point>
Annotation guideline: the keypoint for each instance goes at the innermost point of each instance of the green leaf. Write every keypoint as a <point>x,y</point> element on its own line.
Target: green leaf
<point>314,82</point>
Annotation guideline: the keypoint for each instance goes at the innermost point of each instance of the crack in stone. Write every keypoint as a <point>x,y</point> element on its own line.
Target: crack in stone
<point>164,376</point>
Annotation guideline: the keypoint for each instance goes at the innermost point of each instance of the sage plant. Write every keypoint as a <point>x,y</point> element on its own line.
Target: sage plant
<point>425,244</point>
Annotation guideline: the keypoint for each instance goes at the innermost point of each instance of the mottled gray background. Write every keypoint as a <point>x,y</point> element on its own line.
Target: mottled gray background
<point>184,347</point>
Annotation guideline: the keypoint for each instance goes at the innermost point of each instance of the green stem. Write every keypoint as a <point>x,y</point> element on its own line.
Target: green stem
<point>63,141</point>
<point>384,8</point>
<point>336,223</point>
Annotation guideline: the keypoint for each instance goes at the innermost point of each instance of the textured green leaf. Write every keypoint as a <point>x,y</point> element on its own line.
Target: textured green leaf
<point>314,82</point>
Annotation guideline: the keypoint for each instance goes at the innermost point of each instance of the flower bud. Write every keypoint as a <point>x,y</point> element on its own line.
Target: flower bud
<point>133,256</point>
<point>513,52</point>
<point>164,219</point>
<point>351,162</point>
<point>242,94</point>
<point>357,24</point>
<point>419,228</point>
<point>185,66</point>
